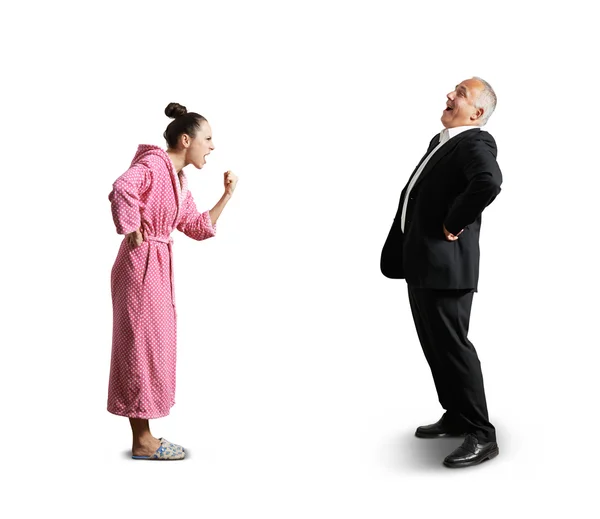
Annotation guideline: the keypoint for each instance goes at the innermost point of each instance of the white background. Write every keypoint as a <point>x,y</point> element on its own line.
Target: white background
<point>300,377</point>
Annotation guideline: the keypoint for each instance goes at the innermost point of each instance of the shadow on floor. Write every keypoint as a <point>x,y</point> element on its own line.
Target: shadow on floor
<point>406,451</point>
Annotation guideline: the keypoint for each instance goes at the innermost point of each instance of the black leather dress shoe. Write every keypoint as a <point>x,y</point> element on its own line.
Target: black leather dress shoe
<point>437,430</point>
<point>471,452</point>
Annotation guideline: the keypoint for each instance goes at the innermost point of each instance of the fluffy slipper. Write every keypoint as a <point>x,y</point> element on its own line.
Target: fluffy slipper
<point>174,446</point>
<point>166,451</point>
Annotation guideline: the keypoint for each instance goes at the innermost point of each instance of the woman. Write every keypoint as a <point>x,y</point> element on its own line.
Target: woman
<point>148,201</point>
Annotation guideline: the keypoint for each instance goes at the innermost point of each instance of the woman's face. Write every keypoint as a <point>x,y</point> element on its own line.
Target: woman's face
<point>200,146</point>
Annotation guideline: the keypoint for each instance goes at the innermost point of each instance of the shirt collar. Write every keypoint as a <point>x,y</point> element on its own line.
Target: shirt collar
<point>453,132</point>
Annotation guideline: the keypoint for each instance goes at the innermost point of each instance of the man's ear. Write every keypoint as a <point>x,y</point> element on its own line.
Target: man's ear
<point>477,114</point>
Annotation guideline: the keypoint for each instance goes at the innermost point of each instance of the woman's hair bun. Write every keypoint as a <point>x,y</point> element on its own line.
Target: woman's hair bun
<point>174,110</point>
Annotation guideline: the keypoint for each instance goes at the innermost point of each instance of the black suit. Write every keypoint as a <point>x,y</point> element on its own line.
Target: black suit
<point>458,182</point>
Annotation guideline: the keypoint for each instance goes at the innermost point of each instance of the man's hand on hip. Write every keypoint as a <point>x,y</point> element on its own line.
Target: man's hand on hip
<point>449,235</point>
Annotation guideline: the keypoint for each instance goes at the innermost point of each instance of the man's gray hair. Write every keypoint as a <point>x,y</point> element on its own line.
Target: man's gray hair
<point>486,100</point>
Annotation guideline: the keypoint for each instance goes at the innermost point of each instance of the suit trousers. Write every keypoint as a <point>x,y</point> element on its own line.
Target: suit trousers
<point>442,322</point>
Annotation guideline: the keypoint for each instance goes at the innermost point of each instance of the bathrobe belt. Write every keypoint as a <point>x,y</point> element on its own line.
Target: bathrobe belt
<point>169,242</point>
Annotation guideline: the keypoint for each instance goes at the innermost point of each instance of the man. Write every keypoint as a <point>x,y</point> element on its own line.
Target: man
<point>434,245</point>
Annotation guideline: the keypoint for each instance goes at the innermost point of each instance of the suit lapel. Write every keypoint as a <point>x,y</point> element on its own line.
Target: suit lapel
<point>432,144</point>
<point>442,152</point>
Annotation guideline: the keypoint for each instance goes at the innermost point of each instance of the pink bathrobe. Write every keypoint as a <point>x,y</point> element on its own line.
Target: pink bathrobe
<point>142,370</point>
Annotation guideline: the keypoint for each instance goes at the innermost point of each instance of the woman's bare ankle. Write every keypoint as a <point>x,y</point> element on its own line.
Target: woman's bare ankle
<point>145,445</point>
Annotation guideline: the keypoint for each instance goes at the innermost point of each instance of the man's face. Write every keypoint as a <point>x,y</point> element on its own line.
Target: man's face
<point>460,107</point>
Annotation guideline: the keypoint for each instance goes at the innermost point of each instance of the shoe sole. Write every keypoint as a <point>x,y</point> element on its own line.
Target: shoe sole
<point>148,458</point>
<point>492,454</point>
<point>441,435</point>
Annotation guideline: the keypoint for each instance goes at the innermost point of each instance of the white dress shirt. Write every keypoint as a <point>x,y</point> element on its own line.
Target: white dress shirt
<point>445,135</point>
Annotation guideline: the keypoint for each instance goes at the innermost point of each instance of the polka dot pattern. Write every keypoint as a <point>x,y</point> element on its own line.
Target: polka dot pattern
<point>150,196</point>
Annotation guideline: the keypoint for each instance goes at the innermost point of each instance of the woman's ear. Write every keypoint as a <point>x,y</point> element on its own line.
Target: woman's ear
<point>185,140</point>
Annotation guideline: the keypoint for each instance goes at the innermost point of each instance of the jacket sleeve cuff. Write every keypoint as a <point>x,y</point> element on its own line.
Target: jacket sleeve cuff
<point>452,228</point>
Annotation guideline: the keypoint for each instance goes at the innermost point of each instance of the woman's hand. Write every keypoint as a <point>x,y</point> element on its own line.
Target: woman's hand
<point>135,238</point>
<point>230,182</point>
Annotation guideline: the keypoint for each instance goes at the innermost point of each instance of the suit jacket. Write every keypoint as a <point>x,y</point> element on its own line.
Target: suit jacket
<point>460,180</point>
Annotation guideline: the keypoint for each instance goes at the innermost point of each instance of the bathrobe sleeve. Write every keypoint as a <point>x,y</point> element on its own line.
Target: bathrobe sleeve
<point>194,224</point>
<point>125,198</point>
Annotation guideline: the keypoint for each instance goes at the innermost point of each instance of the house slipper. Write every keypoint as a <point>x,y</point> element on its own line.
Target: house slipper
<point>174,446</point>
<point>166,451</point>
